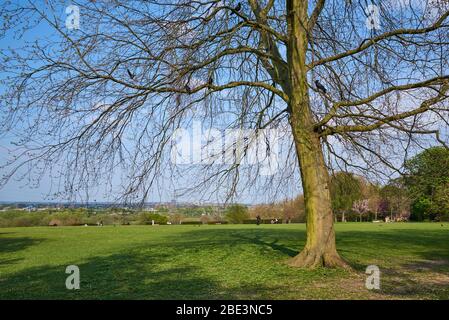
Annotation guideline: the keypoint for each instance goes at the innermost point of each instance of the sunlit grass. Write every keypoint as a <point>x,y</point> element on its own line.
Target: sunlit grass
<point>221,262</point>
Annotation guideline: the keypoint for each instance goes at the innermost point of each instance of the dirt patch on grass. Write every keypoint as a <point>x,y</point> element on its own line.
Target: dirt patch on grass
<point>428,265</point>
<point>426,279</point>
<point>351,287</point>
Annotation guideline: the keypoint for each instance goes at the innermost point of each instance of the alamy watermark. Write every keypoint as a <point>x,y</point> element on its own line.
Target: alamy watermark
<point>72,21</point>
<point>373,17</point>
<point>429,9</point>
<point>373,280</point>
<point>72,282</point>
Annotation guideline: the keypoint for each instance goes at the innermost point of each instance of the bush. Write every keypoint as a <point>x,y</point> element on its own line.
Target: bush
<point>70,218</point>
<point>54,223</point>
<point>204,219</point>
<point>217,222</point>
<point>147,218</point>
<point>237,213</point>
<point>420,209</point>
<point>176,218</point>
<point>192,222</point>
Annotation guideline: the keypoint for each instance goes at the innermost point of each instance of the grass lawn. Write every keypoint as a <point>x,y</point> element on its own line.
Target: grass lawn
<point>221,262</point>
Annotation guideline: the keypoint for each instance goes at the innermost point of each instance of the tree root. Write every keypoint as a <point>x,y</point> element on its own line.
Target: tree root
<point>311,259</point>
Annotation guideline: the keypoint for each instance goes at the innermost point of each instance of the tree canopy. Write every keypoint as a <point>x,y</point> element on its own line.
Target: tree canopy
<point>427,181</point>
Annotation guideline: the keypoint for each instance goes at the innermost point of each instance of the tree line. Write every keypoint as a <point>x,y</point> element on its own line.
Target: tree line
<point>420,194</point>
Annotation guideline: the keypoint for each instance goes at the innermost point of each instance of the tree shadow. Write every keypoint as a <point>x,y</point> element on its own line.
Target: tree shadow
<point>13,245</point>
<point>425,244</point>
<point>276,239</point>
<point>120,276</point>
<point>17,244</point>
<point>413,262</point>
<point>404,283</point>
<point>185,265</point>
<point>271,244</point>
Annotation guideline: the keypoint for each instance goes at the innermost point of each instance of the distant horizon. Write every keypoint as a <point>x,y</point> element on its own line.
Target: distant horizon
<point>112,202</point>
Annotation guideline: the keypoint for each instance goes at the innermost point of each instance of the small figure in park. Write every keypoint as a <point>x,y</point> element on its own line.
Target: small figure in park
<point>258,220</point>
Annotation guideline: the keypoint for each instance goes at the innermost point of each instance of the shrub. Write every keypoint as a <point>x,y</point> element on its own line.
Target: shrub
<point>54,223</point>
<point>420,209</point>
<point>217,222</point>
<point>204,219</point>
<point>147,218</point>
<point>237,213</point>
<point>192,222</point>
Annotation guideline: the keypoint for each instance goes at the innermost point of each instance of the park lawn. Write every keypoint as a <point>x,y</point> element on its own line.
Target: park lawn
<point>221,262</point>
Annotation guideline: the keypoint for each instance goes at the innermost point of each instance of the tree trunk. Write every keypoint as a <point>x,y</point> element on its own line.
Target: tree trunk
<point>320,249</point>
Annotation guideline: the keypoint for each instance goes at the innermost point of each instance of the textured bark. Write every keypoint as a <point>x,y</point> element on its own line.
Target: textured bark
<point>320,249</point>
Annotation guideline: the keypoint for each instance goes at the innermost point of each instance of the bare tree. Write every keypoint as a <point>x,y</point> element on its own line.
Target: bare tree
<point>356,84</point>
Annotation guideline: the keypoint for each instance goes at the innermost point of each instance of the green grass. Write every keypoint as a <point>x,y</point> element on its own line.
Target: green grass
<point>221,262</point>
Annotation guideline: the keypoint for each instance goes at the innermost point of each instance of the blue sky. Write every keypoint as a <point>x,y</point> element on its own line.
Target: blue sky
<point>19,190</point>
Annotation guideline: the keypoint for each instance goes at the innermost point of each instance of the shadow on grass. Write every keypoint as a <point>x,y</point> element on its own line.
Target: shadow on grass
<point>16,244</point>
<point>414,262</point>
<point>405,283</point>
<point>121,276</point>
<point>171,269</point>
<point>273,244</point>
<point>427,244</point>
<point>396,243</point>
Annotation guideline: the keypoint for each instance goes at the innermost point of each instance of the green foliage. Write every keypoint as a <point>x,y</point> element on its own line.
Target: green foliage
<point>395,199</point>
<point>237,213</point>
<point>427,181</point>
<point>195,211</point>
<point>163,210</point>
<point>19,218</point>
<point>442,202</point>
<point>420,209</point>
<point>427,170</point>
<point>147,218</point>
<point>65,217</point>
<point>345,190</point>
